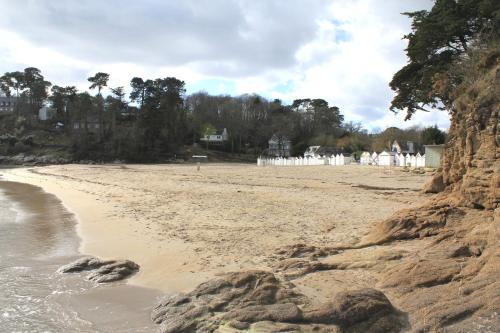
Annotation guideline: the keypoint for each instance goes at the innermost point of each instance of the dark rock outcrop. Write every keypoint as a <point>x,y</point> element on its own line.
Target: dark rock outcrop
<point>26,159</point>
<point>83,264</point>
<point>414,223</point>
<point>102,271</point>
<point>247,298</point>
<point>359,310</point>
<point>242,296</point>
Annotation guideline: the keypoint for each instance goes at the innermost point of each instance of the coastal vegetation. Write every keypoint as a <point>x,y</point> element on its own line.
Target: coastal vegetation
<point>157,121</point>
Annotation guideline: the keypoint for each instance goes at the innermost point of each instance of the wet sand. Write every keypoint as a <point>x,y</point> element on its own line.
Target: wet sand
<point>37,236</point>
<point>184,227</point>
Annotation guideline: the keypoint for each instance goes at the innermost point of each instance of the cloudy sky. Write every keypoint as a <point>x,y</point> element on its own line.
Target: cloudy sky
<point>344,51</point>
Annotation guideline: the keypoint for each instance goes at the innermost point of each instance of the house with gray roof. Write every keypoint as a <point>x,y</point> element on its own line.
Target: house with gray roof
<point>7,104</point>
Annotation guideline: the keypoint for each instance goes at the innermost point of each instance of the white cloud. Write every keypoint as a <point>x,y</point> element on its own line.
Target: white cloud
<point>344,51</point>
<point>356,50</point>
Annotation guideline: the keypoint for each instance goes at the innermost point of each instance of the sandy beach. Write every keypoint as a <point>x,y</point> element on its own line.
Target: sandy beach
<point>185,226</point>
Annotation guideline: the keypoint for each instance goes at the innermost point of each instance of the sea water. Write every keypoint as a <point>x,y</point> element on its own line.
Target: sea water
<point>37,236</point>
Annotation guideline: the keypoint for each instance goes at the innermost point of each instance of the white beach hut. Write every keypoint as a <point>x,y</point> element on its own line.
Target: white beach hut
<point>337,159</point>
<point>342,159</point>
<point>365,158</point>
<point>386,159</point>
<point>407,160</point>
<point>413,161</point>
<point>420,161</point>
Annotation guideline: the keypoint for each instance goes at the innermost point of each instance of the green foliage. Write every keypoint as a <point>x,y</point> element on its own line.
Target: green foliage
<point>208,129</point>
<point>440,37</point>
<point>138,90</point>
<point>12,81</point>
<point>99,80</point>
<point>433,136</point>
<point>161,120</point>
<point>29,86</point>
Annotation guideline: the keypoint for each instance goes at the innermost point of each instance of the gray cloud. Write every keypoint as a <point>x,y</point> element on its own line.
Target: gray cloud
<point>252,44</point>
<point>229,38</point>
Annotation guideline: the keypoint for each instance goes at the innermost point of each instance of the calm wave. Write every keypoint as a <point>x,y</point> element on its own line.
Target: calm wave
<point>37,235</point>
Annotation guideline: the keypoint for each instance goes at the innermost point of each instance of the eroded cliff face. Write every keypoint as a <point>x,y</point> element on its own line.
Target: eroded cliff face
<point>470,162</point>
<point>452,283</point>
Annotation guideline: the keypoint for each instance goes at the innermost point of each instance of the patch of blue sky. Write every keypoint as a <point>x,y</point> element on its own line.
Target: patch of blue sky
<point>342,35</point>
<point>336,22</point>
<point>284,87</point>
<point>212,86</point>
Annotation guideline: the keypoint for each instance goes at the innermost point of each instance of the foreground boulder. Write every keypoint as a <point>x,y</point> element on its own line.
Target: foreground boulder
<point>242,296</point>
<point>362,310</point>
<point>246,300</point>
<point>102,271</point>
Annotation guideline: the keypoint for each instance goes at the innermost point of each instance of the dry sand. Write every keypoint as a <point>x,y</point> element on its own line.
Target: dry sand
<point>185,226</point>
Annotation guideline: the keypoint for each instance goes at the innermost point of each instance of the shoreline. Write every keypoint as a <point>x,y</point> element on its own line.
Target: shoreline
<point>185,227</point>
<point>39,236</point>
<point>109,245</point>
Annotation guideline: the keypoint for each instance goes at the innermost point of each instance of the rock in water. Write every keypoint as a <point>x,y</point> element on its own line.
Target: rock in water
<point>102,270</point>
<point>115,271</point>
<point>83,264</point>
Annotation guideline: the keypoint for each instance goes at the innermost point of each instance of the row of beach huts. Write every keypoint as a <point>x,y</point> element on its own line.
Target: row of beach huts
<point>393,159</point>
<point>338,159</point>
<point>383,159</point>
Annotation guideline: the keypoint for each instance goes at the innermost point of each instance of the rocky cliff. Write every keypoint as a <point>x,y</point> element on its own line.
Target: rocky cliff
<point>434,268</point>
<point>470,164</point>
<point>452,282</point>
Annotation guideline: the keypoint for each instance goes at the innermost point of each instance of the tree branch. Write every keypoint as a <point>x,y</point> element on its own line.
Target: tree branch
<point>453,47</point>
<point>422,109</point>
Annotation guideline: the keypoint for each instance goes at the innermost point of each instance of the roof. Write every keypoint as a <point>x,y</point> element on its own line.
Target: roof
<point>386,153</point>
<point>8,99</point>
<point>275,138</point>
<point>323,150</point>
<point>329,151</point>
<point>404,145</point>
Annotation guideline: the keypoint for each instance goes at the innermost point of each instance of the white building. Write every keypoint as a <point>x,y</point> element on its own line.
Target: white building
<point>365,158</point>
<point>386,159</point>
<point>217,138</point>
<point>43,113</point>
<point>407,147</point>
<point>312,151</point>
<point>7,104</point>
<point>279,146</point>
